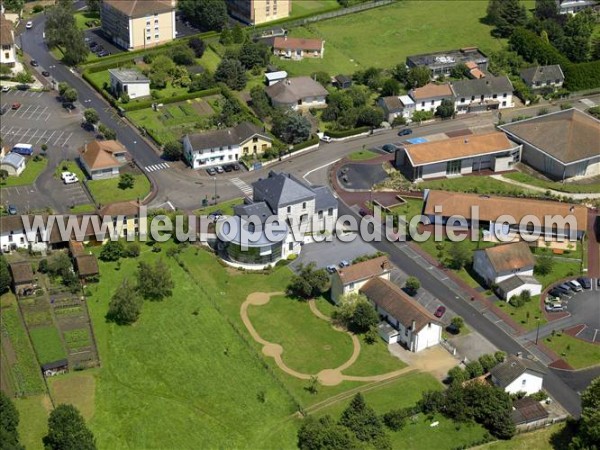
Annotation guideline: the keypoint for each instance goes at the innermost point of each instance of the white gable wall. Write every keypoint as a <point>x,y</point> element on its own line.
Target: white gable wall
<point>528,382</point>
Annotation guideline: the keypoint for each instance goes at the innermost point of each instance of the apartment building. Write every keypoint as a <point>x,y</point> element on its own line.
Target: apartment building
<point>256,12</point>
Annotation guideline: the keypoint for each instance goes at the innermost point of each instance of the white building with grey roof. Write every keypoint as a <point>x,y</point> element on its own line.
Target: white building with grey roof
<point>298,93</point>
<point>129,81</point>
<point>482,94</point>
<point>540,77</point>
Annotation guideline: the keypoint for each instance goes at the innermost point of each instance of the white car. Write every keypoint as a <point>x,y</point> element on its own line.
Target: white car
<point>5,89</point>
<point>326,139</point>
<point>220,169</point>
<point>65,175</point>
<point>71,179</point>
<point>574,284</point>
<point>29,25</point>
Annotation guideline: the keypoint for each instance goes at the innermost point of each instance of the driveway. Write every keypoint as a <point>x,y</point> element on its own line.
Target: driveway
<point>357,176</point>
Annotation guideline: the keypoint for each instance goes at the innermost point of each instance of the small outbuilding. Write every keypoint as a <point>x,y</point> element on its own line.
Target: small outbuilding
<point>130,82</point>
<point>13,163</point>
<point>55,368</point>
<point>275,77</point>
<point>342,81</point>
<point>87,266</point>
<point>22,276</point>
<point>527,411</point>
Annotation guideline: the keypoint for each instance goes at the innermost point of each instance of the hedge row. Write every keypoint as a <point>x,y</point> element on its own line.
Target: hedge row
<point>178,98</point>
<point>105,65</point>
<point>582,76</point>
<point>312,141</point>
<point>346,133</point>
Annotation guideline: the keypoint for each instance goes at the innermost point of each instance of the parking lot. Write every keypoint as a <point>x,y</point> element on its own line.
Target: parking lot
<point>584,308</point>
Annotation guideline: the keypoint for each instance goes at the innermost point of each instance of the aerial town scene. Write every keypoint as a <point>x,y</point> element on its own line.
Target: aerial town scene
<point>299,224</point>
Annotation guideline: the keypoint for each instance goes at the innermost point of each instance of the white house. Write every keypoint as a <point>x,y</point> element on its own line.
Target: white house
<point>496,264</point>
<point>13,163</point>
<point>397,106</point>
<point>349,280</point>
<point>430,96</point>
<point>224,146</point>
<point>482,94</point>
<point>414,326</point>
<point>8,55</point>
<point>130,82</point>
<point>298,93</point>
<point>519,375</point>
<point>13,235</point>
<point>540,77</point>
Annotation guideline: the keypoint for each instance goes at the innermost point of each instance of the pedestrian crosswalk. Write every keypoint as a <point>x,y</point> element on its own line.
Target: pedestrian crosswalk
<point>155,167</point>
<point>242,186</point>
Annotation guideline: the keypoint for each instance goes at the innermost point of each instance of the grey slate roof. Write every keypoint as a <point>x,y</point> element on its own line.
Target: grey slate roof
<point>129,76</point>
<point>236,226</point>
<point>13,159</point>
<point>224,138</point>
<point>543,74</point>
<point>324,199</point>
<point>280,189</point>
<point>392,103</point>
<point>260,209</point>
<point>515,282</point>
<point>294,89</point>
<point>508,371</point>
<point>482,86</point>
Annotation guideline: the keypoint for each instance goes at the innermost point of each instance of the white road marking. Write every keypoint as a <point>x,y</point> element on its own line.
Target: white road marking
<point>58,138</point>
<point>69,137</point>
<point>50,137</point>
<point>41,137</point>
<point>24,112</point>
<point>33,112</point>
<point>242,186</point>
<point>319,168</point>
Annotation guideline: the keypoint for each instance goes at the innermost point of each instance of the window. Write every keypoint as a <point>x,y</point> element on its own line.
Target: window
<point>422,103</point>
<point>503,103</point>
<point>330,212</point>
<point>7,55</point>
<point>147,23</point>
<point>289,209</point>
<point>148,38</point>
<point>524,382</point>
<point>320,214</point>
<point>495,96</point>
<point>254,139</point>
<point>462,100</point>
<point>351,286</point>
<point>304,205</point>
<point>504,95</point>
<point>291,246</point>
<point>156,36</point>
<point>472,98</point>
<point>433,102</point>
<point>453,167</point>
<point>155,21</point>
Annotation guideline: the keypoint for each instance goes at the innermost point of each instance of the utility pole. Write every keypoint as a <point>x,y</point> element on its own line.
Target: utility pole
<point>537,333</point>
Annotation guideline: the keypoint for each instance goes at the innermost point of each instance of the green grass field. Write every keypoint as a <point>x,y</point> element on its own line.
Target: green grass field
<point>81,17</point>
<point>108,191</point>
<point>562,187</point>
<point>374,359</point>
<point>384,37</point>
<point>31,173</point>
<point>577,353</point>
<point>520,315</point>
<point>47,344</point>
<point>226,208</point>
<point>303,8</point>
<point>475,184</point>
<point>538,440</point>
<point>33,423</point>
<point>362,155</point>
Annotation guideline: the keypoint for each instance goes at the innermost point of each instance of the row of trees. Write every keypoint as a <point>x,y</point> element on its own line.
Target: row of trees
<point>476,368</point>
<point>61,31</point>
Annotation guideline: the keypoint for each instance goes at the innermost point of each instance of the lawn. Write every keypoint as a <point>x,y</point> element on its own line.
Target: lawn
<point>47,344</point>
<point>578,353</point>
<point>519,315</point>
<point>362,155</point>
<point>309,343</point>
<point>81,17</point>
<point>562,187</point>
<point>303,8</point>
<point>226,208</point>
<point>33,423</point>
<point>108,191</point>
<point>25,371</point>
<point>561,269</point>
<point>31,173</point>
<point>475,184</point>
<point>412,207</point>
<point>384,37</point>
<point>85,208</point>
<point>69,166</point>
<point>374,359</point>
<point>538,440</point>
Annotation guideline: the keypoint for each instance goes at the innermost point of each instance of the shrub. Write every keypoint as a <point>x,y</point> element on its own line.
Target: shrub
<point>395,419</point>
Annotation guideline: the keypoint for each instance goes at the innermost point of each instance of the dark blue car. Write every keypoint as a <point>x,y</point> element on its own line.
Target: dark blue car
<point>405,132</point>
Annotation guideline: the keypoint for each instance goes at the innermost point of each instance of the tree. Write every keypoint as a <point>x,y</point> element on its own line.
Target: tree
<point>457,375</point>
<point>59,265</point>
<point>91,116</point>
<point>198,46</point>
<point>418,77</point>
<point>154,282</point>
<point>3,175</point>
<point>321,77</point>
<point>183,55</point>
<point>506,15</point>
<point>108,133</point>
<point>391,87</point>
<point>488,362</point>
<point>253,54</point>
<point>76,50</point>
<point>112,251</point>
<point>231,113</point>
<point>205,14</point>
<point>460,255</point>
<point>308,282</point>
<point>132,250</point>
<point>67,430</point>
<point>364,317</point>
<point>412,285</point>
<point>431,402</point>
<point>500,356</point>
<point>459,71</point>
<point>5,277</point>
<point>62,88</point>
<point>362,420</point>
<point>125,305</point>
<point>70,95</point>
<point>370,116</point>
<point>24,77</point>
<point>202,81</point>
<point>14,5</point>
<point>578,33</point>
<point>446,109</point>
<point>237,34</point>
<point>324,434</point>
<point>491,407</point>
<point>260,102</point>
<point>400,73</point>
<point>395,419</point>
<point>9,423</point>
<point>232,73</point>
<point>544,264</point>
<point>126,181</point>
<point>93,5</point>
<point>589,423</point>
<point>546,9</point>
<point>226,38</point>
<point>291,127</point>
<point>474,369</point>
<point>173,150</point>
<point>59,21</point>
<point>457,322</point>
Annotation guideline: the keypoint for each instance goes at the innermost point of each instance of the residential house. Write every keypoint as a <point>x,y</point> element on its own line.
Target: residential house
<point>519,375</point>
<point>298,48</point>
<point>562,145</point>
<point>275,77</point>
<point>102,159</point>
<point>462,155</point>
<point>349,280</point>
<point>127,218</point>
<point>574,6</point>
<point>430,96</point>
<point>405,321</point>
<point>130,82</point>
<point>138,24</point>
<point>560,224</point>
<point>224,146</point>
<point>397,106</point>
<point>508,268</point>
<point>22,276</point>
<point>256,12</point>
<point>342,81</point>
<point>14,235</point>
<point>482,94</point>
<point>298,93</point>
<point>8,55</point>
<point>13,163</point>
<point>442,63</point>
<point>540,77</point>
<point>87,266</point>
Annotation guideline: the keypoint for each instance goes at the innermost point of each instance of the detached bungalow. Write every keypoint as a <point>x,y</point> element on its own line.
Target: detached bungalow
<point>298,93</point>
<point>405,321</point>
<point>519,375</point>
<point>126,218</point>
<point>130,82</point>
<point>461,155</point>
<point>482,94</point>
<point>102,159</point>
<point>298,48</point>
<point>430,96</point>
<point>350,279</point>
<point>539,77</point>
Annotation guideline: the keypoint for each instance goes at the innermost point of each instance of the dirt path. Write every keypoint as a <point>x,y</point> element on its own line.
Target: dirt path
<point>327,377</point>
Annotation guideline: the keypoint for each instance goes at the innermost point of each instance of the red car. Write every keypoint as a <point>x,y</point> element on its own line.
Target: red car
<point>439,312</point>
<point>16,106</point>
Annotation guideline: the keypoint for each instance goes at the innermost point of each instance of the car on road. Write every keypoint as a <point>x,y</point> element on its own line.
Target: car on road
<point>439,312</point>
<point>220,169</point>
<point>585,282</point>
<point>405,132</point>
<point>103,53</point>
<point>574,284</point>
<point>71,179</point>
<point>12,210</point>
<point>15,106</point>
<point>34,63</point>
<point>5,89</point>
<point>211,171</point>
<point>45,73</point>
<point>344,263</point>
<point>29,25</point>
<point>331,268</point>
<point>390,148</point>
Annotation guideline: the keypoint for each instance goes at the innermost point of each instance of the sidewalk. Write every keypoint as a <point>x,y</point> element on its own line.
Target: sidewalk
<point>571,195</point>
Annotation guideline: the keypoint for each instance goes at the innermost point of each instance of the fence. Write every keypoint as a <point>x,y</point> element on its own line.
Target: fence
<point>527,427</point>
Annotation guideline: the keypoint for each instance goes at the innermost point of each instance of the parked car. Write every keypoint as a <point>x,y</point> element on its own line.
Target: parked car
<point>220,169</point>
<point>3,110</point>
<point>227,168</point>
<point>235,166</point>
<point>97,49</point>
<point>550,299</point>
<point>555,308</point>
<point>215,215</point>
<point>439,312</point>
<point>5,89</point>
<point>103,53</point>
<point>326,139</point>
<point>65,175</point>
<point>331,268</point>
<point>71,179</point>
<point>585,282</point>
<point>68,105</point>
<point>211,171</point>
<point>15,106</point>
<point>574,284</point>
<point>12,210</point>
<point>390,148</point>
<point>45,73</point>
<point>29,25</point>
<point>92,44</point>
<point>405,132</point>
<point>566,287</point>
<point>344,263</point>
<point>554,292</point>
<point>34,63</point>
<point>564,291</point>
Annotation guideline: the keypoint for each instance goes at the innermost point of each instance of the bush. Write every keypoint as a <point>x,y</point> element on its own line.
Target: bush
<point>37,9</point>
<point>336,134</point>
<point>395,419</point>
<point>132,250</point>
<point>582,76</point>
<point>112,251</point>
<point>474,369</point>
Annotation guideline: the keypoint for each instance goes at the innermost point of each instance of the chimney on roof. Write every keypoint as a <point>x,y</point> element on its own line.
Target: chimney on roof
<point>487,82</point>
<point>384,264</point>
<point>572,209</point>
<point>466,141</point>
<point>413,325</point>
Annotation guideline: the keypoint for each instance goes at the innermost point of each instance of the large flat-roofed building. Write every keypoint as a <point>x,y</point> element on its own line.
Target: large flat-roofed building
<point>135,24</point>
<point>442,63</point>
<point>461,155</point>
<point>561,145</point>
<point>255,12</point>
